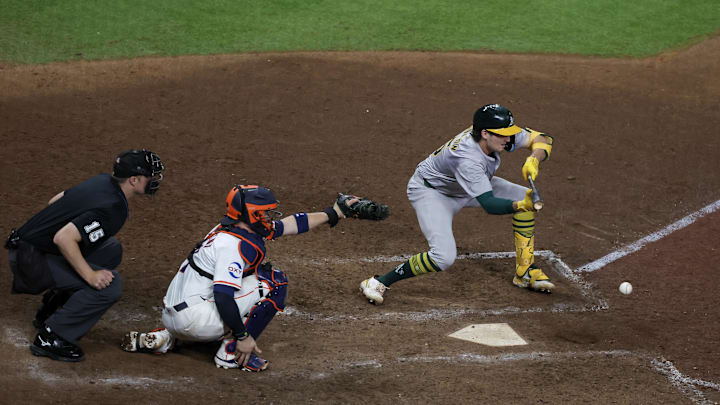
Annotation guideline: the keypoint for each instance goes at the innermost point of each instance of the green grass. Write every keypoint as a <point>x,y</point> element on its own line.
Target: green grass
<point>40,31</point>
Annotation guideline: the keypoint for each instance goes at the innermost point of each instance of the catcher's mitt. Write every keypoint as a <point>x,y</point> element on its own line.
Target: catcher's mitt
<point>362,209</point>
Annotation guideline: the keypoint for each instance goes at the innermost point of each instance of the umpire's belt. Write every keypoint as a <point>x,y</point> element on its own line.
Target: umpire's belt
<point>189,301</point>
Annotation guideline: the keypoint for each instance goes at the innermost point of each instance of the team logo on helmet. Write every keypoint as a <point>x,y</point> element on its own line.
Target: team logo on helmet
<point>254,205</point>
<point>495,119</point>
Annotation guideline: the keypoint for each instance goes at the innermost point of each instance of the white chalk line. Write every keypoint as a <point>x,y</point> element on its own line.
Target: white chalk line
<point>16,337</point>
<point>596,303</point>
<point>655,236</point>
<point>686,384</point>
<point>37,371</point>
<point>508,357</point>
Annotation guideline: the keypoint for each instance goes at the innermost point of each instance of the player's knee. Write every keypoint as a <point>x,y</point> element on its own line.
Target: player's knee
<point>273,300</point>
<point>113,292</point>
<point>443,258</point>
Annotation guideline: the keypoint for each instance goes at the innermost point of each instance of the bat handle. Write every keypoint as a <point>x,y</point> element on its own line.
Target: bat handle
<point>535,195</point>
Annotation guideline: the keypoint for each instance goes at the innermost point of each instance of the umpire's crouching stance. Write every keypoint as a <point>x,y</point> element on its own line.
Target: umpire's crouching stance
<point>68,251</point>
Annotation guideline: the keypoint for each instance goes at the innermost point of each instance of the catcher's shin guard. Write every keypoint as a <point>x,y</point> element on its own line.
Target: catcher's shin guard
<point>275,287</point>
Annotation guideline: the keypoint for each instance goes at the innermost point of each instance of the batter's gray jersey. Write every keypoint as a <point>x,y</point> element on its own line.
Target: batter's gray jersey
<point>460,168</point>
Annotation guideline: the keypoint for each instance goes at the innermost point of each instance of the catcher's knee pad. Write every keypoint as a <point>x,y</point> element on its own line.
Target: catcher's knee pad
<point>272,300</point>
<point>422,263</point>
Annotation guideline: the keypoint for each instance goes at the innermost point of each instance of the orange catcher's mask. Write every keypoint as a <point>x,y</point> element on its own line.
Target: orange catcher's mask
<point>254,205</point>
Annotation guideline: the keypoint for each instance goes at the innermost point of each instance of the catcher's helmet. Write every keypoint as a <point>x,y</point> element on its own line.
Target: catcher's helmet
<point>140,162</point>
<point>254,205</point>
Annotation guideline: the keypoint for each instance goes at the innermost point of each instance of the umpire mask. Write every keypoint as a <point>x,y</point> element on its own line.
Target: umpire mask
<point>140,162</point>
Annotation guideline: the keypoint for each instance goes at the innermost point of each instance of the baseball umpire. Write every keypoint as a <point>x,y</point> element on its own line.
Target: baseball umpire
<point>68,251</point>
<point>461,173</point>
<point>223,291</point>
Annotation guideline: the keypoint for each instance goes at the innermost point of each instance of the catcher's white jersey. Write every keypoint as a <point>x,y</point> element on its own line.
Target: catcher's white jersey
<point>460,168</point>
<point>218,255</point>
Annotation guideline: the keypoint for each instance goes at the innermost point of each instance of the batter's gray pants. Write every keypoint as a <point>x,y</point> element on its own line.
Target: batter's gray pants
<point>435,212</point>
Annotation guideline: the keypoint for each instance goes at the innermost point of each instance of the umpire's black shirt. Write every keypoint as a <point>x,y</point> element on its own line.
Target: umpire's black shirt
<point>97,207</point>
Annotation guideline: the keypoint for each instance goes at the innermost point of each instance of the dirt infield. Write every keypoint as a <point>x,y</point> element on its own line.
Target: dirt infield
<point>636,151</point>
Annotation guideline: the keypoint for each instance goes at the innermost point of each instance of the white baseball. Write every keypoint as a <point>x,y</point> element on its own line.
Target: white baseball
<point>625,288</point>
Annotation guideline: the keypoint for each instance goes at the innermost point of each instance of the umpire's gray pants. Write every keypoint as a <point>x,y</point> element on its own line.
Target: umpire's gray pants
<point>86,305</point>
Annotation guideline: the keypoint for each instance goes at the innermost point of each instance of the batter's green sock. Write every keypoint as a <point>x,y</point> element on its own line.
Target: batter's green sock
<point>401,272</point>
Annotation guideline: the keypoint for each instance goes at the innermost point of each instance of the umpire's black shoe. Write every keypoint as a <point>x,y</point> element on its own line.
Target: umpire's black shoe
<point>52,300</point>
<point>47,343</point>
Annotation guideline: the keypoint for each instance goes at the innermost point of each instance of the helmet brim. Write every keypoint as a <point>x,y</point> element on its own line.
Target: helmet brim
<point>509,131</point>
<point>226,220</point>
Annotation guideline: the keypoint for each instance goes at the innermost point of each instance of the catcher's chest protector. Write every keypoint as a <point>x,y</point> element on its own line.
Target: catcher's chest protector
<point>252,252</point>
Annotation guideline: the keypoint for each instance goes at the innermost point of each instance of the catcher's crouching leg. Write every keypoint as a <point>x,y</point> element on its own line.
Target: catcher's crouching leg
<point>274,291</point>
<point>156,341</point>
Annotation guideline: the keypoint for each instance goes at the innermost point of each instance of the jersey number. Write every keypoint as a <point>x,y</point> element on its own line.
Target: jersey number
<point>94,234</point>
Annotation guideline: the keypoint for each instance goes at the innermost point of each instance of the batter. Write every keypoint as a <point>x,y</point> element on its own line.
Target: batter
<point>461,173</point>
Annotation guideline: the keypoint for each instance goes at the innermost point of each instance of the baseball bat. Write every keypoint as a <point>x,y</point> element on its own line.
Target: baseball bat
<point>535,195</point>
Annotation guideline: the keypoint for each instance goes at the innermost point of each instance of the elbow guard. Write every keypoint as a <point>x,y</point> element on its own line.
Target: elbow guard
<point>547,147</point>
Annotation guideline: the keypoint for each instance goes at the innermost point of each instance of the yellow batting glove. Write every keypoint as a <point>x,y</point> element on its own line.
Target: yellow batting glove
<point>525,204</point>
<point>531,168</point>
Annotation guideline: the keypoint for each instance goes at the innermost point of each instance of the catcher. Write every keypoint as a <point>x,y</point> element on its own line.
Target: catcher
<point>224,292</point>
<point>461,173</point>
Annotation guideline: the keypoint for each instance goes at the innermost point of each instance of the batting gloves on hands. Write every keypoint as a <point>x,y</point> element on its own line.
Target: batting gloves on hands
<point>530,168</point>
<point>525,204</point>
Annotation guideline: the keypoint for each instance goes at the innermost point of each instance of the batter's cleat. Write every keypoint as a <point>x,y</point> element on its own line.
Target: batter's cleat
<point>534,279</point>
<point>157,341</point>
<point>47,343</point>
<point>373,290</point>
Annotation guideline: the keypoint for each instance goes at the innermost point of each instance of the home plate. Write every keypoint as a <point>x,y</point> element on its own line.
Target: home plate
<point>490,334</point>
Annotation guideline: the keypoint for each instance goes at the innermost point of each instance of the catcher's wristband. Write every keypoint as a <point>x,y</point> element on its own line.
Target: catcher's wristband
<point>241,336</point>
<point>332,216</point>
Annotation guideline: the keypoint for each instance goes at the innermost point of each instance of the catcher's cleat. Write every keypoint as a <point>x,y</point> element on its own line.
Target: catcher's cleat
<point>47,343</point>
<point>226,358</point>
<point>373,290</point>
<point>157,341</point>
<point>534,279</point>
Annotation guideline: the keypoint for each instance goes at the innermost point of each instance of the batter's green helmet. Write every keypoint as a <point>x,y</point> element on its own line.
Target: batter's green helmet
<point>496,119</point>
